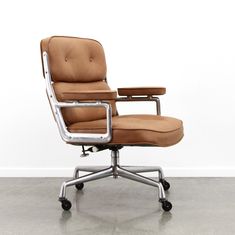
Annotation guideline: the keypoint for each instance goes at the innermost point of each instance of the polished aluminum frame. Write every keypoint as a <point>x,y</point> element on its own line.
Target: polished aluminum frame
<point>98,172</point>
<point>142,98</point>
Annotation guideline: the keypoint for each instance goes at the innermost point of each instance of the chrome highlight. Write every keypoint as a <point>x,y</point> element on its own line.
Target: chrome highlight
<point>142,98</point>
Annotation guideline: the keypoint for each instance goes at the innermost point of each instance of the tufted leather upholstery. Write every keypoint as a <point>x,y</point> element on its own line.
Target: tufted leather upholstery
<point>75,59</point>
<point>77,64</point>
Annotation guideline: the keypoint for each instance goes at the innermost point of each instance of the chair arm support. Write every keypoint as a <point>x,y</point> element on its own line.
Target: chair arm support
<point>142,98</point>
<point>85,138</point>
<point>140,91</point>
<point>89,95</point>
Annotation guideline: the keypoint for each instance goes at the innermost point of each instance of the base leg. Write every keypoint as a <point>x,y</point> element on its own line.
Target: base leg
<point>93,176</point>
<point>136,177</point>
<point>87,169</point>
<point>143,169</point>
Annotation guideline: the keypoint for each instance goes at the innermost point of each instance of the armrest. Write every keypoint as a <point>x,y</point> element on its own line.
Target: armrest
<point>138,91</point>
<point>99,138</point>
<point>89,95</point>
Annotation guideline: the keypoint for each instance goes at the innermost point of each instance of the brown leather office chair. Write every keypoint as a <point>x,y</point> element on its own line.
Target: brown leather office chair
<point>85,111</point>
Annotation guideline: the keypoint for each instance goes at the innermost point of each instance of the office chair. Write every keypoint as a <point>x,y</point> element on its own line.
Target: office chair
<point>84,109</point>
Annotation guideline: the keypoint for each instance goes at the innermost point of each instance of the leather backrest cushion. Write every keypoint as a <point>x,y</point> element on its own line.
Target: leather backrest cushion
<point>74,59</point>
<point>73,115</point>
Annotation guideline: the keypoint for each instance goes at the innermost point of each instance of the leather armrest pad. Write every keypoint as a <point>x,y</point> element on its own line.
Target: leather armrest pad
<point>131,91</point>
<point>90,95</point>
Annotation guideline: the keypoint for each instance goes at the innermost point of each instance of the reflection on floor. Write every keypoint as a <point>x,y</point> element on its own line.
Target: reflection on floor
<point>117,206</point>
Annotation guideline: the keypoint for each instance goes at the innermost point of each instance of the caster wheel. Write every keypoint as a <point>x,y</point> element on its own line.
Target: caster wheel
<point>66,204</point>
<point>166,206</point>
<point>165,184</point>
<point>79,186</point>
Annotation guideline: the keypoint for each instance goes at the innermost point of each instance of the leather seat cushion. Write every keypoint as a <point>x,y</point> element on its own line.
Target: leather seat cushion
<point>136,129</point>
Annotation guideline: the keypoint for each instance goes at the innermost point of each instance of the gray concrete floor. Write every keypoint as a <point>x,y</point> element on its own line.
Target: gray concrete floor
<point>204,206</point>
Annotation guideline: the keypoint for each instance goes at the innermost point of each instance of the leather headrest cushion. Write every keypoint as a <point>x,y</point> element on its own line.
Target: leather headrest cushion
<point>75,59</point>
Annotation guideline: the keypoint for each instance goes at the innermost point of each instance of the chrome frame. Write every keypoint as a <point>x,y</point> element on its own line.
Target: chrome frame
<point>133,169</point>
<point>142,98</point>
<point>56,109</point>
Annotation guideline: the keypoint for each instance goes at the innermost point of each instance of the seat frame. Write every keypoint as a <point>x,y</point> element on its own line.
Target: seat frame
<point>98,172</point>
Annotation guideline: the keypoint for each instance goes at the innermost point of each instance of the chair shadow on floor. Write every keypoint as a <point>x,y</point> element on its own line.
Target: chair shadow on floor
<point>118,217</point>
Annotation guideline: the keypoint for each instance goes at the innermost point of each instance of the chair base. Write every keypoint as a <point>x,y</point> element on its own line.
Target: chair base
<point>115,170</point>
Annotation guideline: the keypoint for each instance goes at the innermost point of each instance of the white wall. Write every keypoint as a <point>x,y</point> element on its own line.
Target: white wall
<point>187,46</point>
